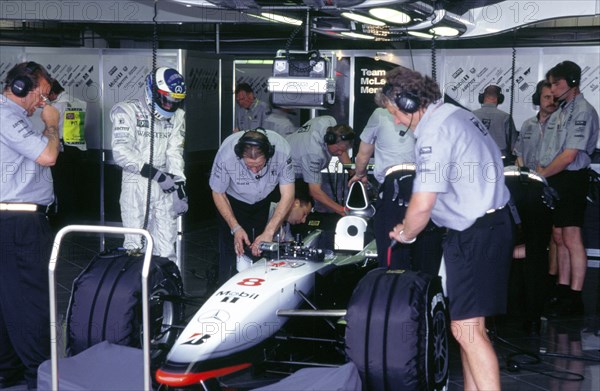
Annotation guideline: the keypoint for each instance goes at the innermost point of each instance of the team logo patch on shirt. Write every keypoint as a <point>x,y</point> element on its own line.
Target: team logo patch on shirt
<point>580,123</point>
<point>425,150</point>
<point>142,123</point>
<point>481,126</point>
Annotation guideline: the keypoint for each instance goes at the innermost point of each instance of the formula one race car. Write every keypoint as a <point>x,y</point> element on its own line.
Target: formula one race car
<point>300,305</point>
<point>289,310</point>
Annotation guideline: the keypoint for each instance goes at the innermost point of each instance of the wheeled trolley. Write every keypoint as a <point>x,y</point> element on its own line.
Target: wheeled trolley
<point>102,290</point>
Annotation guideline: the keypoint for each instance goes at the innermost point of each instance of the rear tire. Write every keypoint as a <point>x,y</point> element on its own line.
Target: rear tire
<point>397,333</point>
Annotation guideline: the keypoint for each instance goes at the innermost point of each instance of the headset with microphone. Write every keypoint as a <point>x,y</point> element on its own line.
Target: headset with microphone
<point>22,85</point>
<point>570,72</point>
<point>332,138</point>
<point>405,101</point>
<point>255,138</point>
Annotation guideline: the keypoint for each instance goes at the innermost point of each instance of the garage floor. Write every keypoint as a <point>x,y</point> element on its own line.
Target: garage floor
<point>572,346</point>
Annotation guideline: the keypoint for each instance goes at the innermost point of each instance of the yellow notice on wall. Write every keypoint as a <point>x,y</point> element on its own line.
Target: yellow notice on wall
<point>74,127</point>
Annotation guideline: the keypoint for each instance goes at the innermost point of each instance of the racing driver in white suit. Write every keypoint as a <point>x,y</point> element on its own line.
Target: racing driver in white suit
<point>132,142</point>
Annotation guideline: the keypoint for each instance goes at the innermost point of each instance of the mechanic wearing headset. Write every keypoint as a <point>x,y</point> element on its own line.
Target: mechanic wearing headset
<point>459,184</point>
<point>247,168</point>
<point>565,155</point>
<point>26,156</point>
<point>131,143</point>
<point>394,149</point>
<point>536,217</point>
<point>313,145</point>
<point>499,123</point>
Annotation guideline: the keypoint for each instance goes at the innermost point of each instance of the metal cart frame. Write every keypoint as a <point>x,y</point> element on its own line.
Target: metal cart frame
<point>145,294</point>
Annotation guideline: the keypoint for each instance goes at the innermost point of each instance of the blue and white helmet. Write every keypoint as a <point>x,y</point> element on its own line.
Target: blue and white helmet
<point>170,92</point>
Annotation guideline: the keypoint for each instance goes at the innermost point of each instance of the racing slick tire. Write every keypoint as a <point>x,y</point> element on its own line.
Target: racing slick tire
<point>397,331</point>
<point>105,304</point>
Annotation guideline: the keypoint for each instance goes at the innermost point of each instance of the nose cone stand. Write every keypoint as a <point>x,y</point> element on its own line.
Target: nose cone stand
<point>350,230</point>
<point>145,304</point>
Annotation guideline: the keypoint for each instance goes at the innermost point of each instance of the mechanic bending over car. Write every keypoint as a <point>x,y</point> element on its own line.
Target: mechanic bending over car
<point>248,167</point>
<point>471,200</point>
<point>313,145</point>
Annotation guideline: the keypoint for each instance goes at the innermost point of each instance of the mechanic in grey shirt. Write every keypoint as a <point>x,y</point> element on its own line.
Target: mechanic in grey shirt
<point>393,146</point>
<point>391,143</point>
<point>536,218</point>
<point>532,131</point>
<point>499,123</point>
<point>313,146</point>
<point>459,184</point>
<point>247,168</point>
<point>26,155</point>
<point>571,137</point>
<point>250,112</point>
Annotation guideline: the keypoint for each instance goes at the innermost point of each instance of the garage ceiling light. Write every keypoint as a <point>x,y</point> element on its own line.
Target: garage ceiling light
<point>420,34</point>
<point>280,18</point>
<point>356,35</point>
<point>362,19</point>
<point>390,15</point>
<point>444,31</point>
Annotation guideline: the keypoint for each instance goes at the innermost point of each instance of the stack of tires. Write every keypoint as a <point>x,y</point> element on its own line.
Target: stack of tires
<point>106,304</point>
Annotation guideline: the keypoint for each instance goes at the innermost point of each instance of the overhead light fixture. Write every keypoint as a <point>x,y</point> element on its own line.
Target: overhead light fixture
<point>362,19</point>
<point>420,34</point>
<point>280,18</point>
<point>444,31</point>
<point>390,15</point>
<point>357,35</point>
<point>198,3</point>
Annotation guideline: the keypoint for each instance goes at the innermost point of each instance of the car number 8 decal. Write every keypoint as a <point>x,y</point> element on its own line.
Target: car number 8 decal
<point>251,282</point>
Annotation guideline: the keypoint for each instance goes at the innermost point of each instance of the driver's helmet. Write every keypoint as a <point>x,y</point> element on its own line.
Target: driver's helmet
<point>169,92</point>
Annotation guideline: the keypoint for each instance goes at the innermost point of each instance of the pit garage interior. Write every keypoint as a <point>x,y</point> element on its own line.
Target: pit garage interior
<point>102,50</point>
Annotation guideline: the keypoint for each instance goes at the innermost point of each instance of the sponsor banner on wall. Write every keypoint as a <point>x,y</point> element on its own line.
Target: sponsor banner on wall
<point>468,72</point>
<point>369,78</point>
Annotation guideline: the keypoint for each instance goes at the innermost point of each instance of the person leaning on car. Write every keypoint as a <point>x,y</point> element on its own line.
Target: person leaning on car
<point>248,167</point>
<point>459,184</point>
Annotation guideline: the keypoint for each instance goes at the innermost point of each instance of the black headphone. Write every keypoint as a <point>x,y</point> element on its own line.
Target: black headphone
<point>537,95</point>
<point>257,139</point>
<point>21,85</point>
<point>331,137</point>
<point>572,77</point>
<point>498,92</point>
<point>406,101</point>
